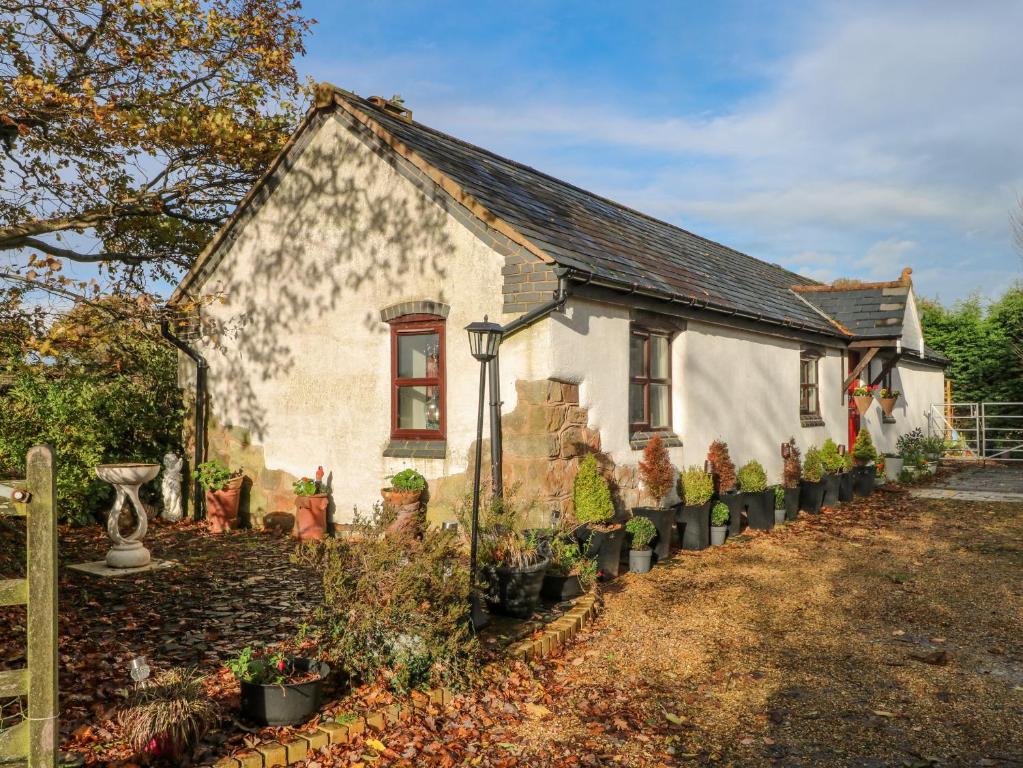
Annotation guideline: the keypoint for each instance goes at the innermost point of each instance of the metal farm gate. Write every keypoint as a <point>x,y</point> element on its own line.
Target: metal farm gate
<point>979,431</point>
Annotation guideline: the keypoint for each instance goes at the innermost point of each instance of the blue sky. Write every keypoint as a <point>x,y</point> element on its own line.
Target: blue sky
<point>837,139</point>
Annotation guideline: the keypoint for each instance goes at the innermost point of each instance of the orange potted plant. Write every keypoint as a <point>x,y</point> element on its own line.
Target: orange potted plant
<point>406,488</point>
<point>888,398</point>
<point>223,489</point>
<point>863,397</point>
<point>311,501</point>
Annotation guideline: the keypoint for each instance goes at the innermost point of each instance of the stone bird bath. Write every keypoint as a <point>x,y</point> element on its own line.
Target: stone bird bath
<point>127,551</point>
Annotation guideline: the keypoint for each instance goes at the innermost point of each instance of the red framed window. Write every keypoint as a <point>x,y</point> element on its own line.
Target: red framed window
<point>649,380</point>
<point>417,378</point>
<point>809,389</point>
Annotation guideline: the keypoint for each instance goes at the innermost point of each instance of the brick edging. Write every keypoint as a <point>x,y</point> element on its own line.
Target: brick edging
<point>283,753</point>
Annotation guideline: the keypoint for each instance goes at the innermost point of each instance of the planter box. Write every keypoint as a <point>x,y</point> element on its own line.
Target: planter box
<point>718,535</point>
<point>845,486</point>
<point>694,526</point>
<point>760,509</point>
<point>664,521</point>
<point>811,496</point>
<point>736,503</point>
<point>605,546</point>
<point>893,467</point>
<point>831,489</point>
<point>287,704</point>
<point>791,503</point>
<point>863,480</point>
<point>640,560</point>
<point>516,591</point>
<point>560,588</point>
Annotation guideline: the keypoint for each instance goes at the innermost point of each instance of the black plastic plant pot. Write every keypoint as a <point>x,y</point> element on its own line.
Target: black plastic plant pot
<point>287,703</point>
<point>560,588</point>
<point>863,480</point>
<point>736,503</point>
<point>760,509</point>
<point>845,486</point>
<point>811,496</point>
<point>791,503</point>
<point>516,591</point>
<point>664,521</point>
<point>831,489</point>
<point>605,546</point>
<point>694,526</point>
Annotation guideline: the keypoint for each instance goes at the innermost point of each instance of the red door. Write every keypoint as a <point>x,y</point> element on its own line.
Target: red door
<point>854,415</point>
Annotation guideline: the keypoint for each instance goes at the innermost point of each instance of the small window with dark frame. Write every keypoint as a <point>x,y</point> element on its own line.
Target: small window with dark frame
<point>809,391</point>
<point>649,380</point>
<point>417,378</point>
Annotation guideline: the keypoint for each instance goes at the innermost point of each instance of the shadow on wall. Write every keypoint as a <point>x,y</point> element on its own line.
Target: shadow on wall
<point>332,226</point>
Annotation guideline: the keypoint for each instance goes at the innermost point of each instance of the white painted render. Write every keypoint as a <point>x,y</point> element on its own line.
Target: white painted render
<point>921,386</point>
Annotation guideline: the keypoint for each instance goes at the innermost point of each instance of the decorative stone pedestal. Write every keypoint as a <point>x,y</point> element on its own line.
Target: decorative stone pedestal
<point>127,551</point>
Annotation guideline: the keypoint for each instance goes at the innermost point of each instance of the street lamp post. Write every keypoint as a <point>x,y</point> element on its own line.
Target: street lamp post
<point>484,342</point>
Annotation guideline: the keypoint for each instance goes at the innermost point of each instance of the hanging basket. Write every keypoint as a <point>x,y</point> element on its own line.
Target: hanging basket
<point>863,403</point>
<point>887,404</point>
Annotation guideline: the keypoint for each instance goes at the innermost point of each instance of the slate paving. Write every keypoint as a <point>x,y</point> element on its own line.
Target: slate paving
<point>999,483</point>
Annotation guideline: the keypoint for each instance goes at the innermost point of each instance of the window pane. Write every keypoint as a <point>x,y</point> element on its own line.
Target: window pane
<point>637,404</point>
<point>418,355</point>
<point>659,397</point>
<point>808,372</point>
<point>419,408</point>
<point>637,346</point>
<point>659,358</point>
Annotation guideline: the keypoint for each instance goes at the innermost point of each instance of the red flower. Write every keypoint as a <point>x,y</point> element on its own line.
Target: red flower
<point>280,664</point>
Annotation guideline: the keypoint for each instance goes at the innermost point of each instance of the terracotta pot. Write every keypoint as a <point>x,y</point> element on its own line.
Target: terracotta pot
<point>863,403</point>
<point>222,505</point>
<point>311,517</point>
<point>400,498</point>
<point>888,404</point>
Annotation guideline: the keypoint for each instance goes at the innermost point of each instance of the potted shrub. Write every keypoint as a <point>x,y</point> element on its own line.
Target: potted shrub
<point>719,515</point>
<point>311,502</point>
<point>641,532</point>
<point>516,573</point>
<point>834,466</point>
<point>753,487</point>
<point>723,469</point>
<point>658,476</point>
<point>933,448</point>
<point>278,688</point>
<point>165,716</point>
<point>223,489</point>
<point>569,574</point>
<point>811,488</point>
<point>879,471</point>
<point>695,488</point>
<point>892,466</point>
<point>406,488</point>
<point>911,449</point>
<point>863,396</point>
<point>598,535</point>
<point>779,504</point>
<point>864,455</point>
<point>845,479</point>
<point>888,398</point>
<point>792,473</point>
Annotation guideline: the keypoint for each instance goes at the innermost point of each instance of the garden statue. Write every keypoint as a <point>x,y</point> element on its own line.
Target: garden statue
<point>171,487</point>
<point>127,551</point>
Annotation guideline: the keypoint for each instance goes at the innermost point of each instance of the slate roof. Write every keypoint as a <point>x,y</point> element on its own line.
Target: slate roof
<point>596,236</point>
<point>873,312</point>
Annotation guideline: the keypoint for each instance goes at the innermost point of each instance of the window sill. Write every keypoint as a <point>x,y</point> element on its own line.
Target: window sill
<point>416,449</point>
<point>811,421</point>
<point>887,419</point>
<point>639,440</point>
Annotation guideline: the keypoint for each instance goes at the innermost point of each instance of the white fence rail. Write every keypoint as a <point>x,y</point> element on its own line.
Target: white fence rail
<point>979,431</point>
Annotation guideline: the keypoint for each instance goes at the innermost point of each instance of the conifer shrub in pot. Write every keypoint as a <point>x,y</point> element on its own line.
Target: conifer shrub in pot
<point>719,515</point>
<point>223,489</point>
<point>834,465</point>
<point>723,469</point>
<point>278,688</point>
<point>811,488</point>
<point>696,489</point>
<point>311,502</point>
<point>792,472</point>
<point>569,573</point>
<point>658,476</point>
<point>642,533</point>
<point>864,455</point>
<point>752,486</point>
<point>598,534</point>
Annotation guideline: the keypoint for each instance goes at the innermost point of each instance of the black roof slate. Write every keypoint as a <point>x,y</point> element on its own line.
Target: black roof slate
<point>872,312</point>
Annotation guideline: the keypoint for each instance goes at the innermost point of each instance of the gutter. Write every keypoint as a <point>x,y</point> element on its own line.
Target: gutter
<point>201,366</point>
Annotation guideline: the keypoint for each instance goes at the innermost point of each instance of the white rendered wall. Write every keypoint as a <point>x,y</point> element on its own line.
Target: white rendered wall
<point>921,386</point>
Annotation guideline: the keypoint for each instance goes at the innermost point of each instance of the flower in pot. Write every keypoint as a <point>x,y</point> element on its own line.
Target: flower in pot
<point>864,454</point>
<point>879,471</point>
<point>863,396</point>
<point>792,472</point>
<point>811,487</point>
<point>311,501</point>
<point>168,714</point>
<point>569,573</point>
<point>658,475</point>
<point>598,535</point>
<point>406,488</point>
<point>517,566</point>
<point>278,688</point>
<point>723,469</point>
<point>888,398</point>
<point>834,465</point>
<point>695,488</point>
<point>759,504</point>
<point>641,533</point>
<point>223,489</point>
<point>779,504</point>
<point>718,523</point>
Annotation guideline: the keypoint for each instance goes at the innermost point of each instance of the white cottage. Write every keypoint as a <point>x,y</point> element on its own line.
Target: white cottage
<point>333,305</point>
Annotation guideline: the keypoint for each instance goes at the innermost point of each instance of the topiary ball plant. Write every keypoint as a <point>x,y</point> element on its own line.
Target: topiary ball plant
<point>642,532</point>
<point>695,487</point>
<point>752,477</point>
<point>591,494</point>
<point>813,467</point>
<point>864,451</point>
<point>831,458</point>
<point>722,466</point>
<point>655,469</point>
<point>719,515</point>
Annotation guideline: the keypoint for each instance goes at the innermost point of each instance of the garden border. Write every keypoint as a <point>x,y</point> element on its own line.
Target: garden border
<point>555,635</point>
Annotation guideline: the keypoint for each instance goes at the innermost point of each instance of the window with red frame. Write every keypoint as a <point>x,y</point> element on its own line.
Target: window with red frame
<point>649,380</point>
<point>417,377</point>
